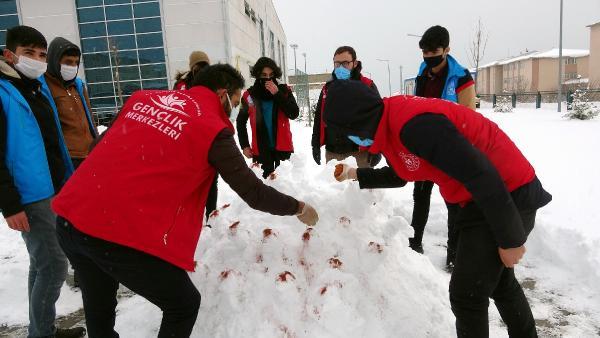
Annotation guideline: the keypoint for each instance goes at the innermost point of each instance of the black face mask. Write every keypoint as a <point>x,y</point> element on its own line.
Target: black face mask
<point>261,91</point>
<point>434,61</point>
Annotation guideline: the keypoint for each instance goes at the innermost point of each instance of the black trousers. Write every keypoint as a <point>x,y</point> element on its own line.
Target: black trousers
<point>269,161</point>
<point>422,201</point>
<point>102,265</point>
<point>480,275</point>
<point>211,200</point>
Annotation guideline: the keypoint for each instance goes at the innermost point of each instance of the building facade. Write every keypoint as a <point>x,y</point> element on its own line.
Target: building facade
<point>130,45</point>
<point>534,71</point>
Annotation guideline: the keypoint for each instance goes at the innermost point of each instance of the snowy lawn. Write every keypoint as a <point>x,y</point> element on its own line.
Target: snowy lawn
<point>353,275</point>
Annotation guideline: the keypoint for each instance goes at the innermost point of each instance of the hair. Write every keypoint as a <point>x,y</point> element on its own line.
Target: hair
<point>344,49</point>
<point>263,63</point>
<point>201,65</point>
<point>24,36</point>
<point>219,76</point>
<point>434,37</point>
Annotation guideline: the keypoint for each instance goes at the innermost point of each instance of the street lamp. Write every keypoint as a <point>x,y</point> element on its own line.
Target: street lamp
<point>389,74</point>
<point>401,81</point>
<point>560,63</point>
<point>294,47</point>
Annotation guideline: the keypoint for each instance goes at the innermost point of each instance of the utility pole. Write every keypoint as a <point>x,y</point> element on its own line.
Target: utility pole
<point>389,75</point>
<point>307,101</point>
<point>560,59</point>
<point>294,47</point>
<point>401,82</point>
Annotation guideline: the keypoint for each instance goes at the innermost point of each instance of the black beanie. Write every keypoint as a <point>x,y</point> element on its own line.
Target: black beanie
<point>352,108</point>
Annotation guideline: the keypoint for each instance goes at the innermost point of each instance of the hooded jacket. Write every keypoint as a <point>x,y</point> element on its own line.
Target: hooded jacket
<point>70,101</point>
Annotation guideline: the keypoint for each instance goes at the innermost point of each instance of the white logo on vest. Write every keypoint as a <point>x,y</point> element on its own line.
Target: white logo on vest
<point>163,113</point>
<point>411,161</point>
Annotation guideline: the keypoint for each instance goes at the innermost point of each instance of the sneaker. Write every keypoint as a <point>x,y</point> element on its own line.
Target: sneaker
<point>416,246</point>
<point>73,332</point>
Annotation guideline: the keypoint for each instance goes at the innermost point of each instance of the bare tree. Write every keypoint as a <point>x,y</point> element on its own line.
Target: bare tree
<point>114,50</point>
<point>477,48</point>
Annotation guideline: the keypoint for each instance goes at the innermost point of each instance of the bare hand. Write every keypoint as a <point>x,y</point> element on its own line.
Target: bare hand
<point>271,87</point>
<point>511,257</point>
<point>18,222</point>
<point>247,152</point>
<point>344,172</point>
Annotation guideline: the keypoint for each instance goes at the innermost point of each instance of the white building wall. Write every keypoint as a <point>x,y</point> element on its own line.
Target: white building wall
<point>52,18</point>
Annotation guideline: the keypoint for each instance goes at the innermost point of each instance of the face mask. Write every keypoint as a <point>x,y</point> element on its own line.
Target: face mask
<point>363,142</point>
<point>31,68</point>
<point>434,61</point>
<point>68,73</point>
<point>232,112</point>
<point>341,73</point>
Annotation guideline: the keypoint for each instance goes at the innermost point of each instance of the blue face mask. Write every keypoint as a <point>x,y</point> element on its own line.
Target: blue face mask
<point>342,73</point>
<point>363,142</point>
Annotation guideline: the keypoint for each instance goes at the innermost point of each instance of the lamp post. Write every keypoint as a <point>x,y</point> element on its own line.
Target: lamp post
<point>401,81</point>
<point>389,75</point>
<point>294,47</point>
<point>560,62</point>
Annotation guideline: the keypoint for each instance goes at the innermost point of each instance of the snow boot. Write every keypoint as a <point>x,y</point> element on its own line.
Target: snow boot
<point>416,245</point>
<point>74,332</point>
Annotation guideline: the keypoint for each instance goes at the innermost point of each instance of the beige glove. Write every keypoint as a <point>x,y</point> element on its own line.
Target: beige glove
<point>344,172</point>
<point>307,214</point>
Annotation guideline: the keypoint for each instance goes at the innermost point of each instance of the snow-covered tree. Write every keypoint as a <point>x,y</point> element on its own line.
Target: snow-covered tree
<point>581,108</point>
<point>503,105</point>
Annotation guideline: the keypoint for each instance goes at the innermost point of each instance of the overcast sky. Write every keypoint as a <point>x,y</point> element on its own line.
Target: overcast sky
<point>378,29</point>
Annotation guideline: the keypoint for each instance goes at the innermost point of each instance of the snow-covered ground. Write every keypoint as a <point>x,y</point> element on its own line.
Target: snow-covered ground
<point>353,275</point>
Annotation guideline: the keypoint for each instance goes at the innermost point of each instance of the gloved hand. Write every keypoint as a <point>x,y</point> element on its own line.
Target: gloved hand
<point>307,214</point>
<point>344,172</point>
<point>317,155</point>
<point>374,159</point>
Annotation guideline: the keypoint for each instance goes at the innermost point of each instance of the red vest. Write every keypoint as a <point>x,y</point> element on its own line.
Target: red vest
<point>146,183</point>
<point>284,133</point>
<point>181,85</point>
<point>363,79</point>
<point>482,133</point>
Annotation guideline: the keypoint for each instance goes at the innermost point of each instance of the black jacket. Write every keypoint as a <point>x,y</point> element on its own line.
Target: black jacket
<point>284,100</point>
<point>334,142</point>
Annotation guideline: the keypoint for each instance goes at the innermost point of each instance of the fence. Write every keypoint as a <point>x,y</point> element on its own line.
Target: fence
<point>537,98</point>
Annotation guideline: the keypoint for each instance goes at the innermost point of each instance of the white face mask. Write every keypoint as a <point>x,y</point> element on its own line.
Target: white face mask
<point>68,73</point>
<point>234,110</point>
<point>29,67</point>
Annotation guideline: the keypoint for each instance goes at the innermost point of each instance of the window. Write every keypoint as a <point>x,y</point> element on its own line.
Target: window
<point>262,38</point>
<point>272,45</point>
<point>123,49</point>
<point>9,17</point>
<point>570,61</point>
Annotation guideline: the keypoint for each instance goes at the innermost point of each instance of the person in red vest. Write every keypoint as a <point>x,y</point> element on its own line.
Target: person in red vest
<point>198,61</point>
<point>338,147</point>
<point>477,166</point>
<point>132,212</point>
<point>270,106</point>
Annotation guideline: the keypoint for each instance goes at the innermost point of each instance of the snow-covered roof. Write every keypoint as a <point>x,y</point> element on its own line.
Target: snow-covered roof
<point>576,81</point>
<point>594,24</point>
<point>552,53</point>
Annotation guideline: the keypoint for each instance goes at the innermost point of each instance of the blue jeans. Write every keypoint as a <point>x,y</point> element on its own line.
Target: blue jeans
<point>47,268</point>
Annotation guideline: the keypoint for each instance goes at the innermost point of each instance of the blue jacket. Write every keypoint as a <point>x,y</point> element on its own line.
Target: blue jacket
<point>25,156</point>
<point>455,73</point>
